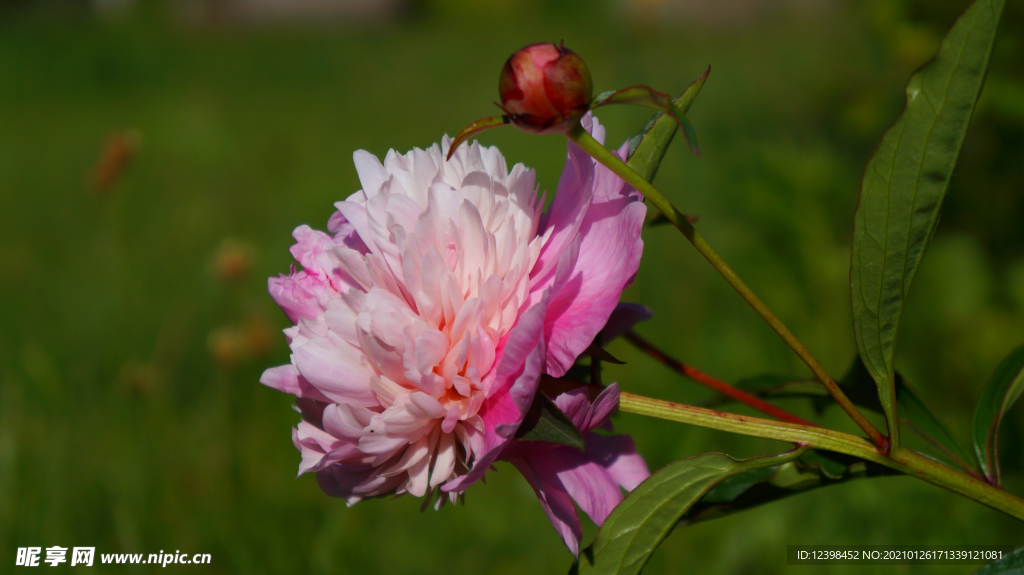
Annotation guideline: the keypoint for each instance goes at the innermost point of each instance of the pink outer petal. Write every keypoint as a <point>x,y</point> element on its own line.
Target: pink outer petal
<point>624,317</point>
<point>286,378</point>
<point>357,217</point>
<point>591,479</point>
<point>345,233</point>
<point>555,500</point>
<point>301,294</point>
<point>314,249</point>
<point>589,484</point>
<point>575,404</point>
<point>605,404</point>
<point>353,483</point>
<point>609,256</point>
<point>566,215</point>
<point>587,416</point>
<point>617,455</point>
<point>517,376</point>
<point>334,372</point>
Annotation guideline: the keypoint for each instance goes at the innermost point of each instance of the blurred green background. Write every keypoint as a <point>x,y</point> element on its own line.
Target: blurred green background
<point>155,156</point>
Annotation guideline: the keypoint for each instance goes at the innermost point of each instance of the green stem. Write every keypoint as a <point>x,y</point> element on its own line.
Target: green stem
<point>901,459</point>
<point>585,141</point>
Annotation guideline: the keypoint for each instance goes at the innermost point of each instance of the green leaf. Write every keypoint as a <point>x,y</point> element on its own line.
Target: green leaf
<point>648,97</point>
<point>1012,564</point>
<point>1003,388</point>
<point>646,516</point>
<point>648,147</point>
<point>545,422</point>
<point>811,470</point>
<point>860,388</point>
<point>903,188</point>
<point>914,413</point>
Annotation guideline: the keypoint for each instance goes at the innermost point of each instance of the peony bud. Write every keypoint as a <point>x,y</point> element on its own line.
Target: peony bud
<point>545,88</point>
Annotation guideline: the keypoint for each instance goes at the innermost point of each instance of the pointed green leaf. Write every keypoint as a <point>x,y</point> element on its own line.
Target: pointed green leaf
<point>1012,564</point>
<point>648,97</point>
<point>811,470</point>
<point>914,413</point>
<point>545,422</point>
<point>904,185</point>
<point>1003,388</point>
<point>648,147</point>
<point>646,516</point>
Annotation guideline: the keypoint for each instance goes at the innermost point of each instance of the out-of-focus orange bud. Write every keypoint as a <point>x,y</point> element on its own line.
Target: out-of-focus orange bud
<point>117,155</point>
<point>232,261</point>
<point>226,346</point>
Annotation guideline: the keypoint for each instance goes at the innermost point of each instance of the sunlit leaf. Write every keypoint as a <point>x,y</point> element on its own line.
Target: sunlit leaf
<point>545,422</point>
<point>647,97</point>
<point>646,516</point>
<point>919,418</point>
<point>913,413</point>
<point>1003,388</point>
<point>904,186</point>
<point>756,487</point>
<point>648,147</point>
<point>858,385</point>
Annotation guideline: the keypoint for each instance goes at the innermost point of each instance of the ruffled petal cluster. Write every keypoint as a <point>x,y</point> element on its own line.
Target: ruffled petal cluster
<point>426,315</point>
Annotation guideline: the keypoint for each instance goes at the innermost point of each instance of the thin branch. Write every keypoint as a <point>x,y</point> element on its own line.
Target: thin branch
<point>712,383</point>
<point>584,140</point>
<point>901,459</point>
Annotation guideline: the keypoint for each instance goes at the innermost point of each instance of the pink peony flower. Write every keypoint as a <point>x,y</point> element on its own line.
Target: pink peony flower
<point>425,319</point>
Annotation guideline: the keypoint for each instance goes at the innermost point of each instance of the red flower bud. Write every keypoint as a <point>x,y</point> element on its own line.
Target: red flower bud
<point>545,88</point>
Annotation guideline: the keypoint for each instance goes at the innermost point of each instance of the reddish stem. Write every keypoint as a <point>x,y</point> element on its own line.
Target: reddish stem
<point>712,383</point>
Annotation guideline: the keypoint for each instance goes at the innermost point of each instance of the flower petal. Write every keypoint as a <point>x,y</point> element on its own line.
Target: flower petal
<point>609,256</point>
<point>605,404</point>
<point>370,171</point>
<point>335,370</point>
<point>554,498</point>
<point>617,454</point>
<point>301,294</point>
<point>286,378</point>
<point>517,377</point>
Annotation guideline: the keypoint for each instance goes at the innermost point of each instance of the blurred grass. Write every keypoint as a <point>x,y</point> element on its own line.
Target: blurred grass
<point>134,321</point>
